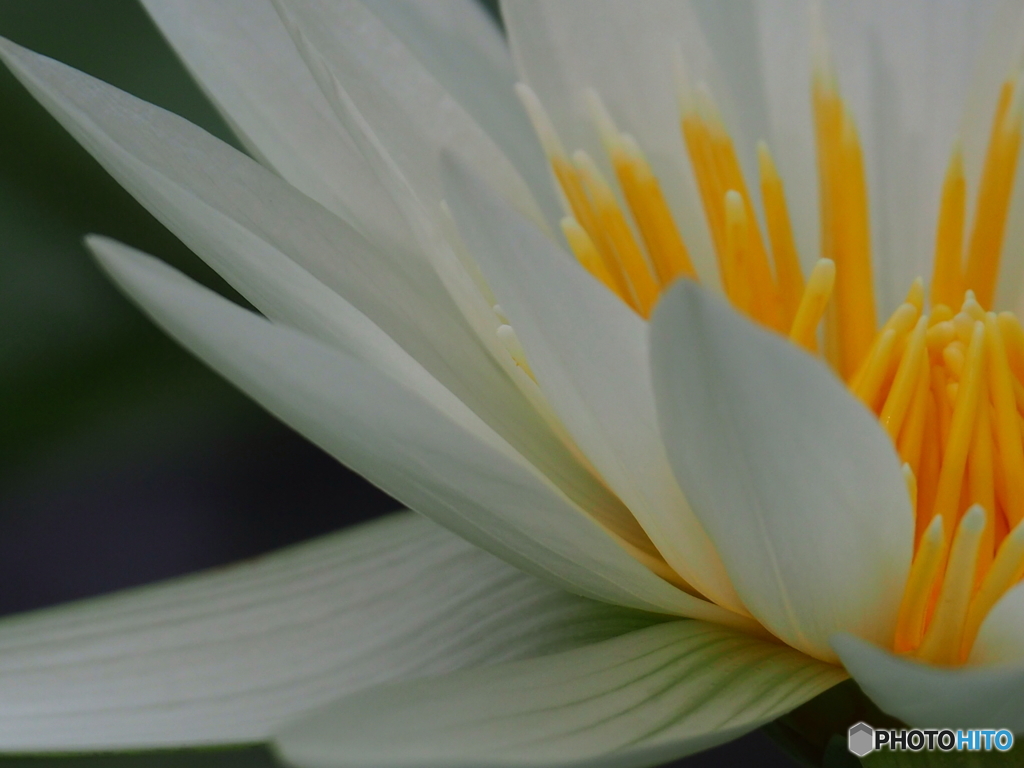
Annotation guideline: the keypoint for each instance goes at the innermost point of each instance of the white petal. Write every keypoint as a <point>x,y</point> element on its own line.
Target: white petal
<point>239,216</point>
<point>409,113</point>
<point>229,656</point>
<point>625,51</point>
<point>925,696</point>
<point>396,440</point>
<point>640,699</point>
<point>1001,637</point>
<point>245,61</point>
<point>793,479</point>
<point>462,47</point>
<point>588,351</point>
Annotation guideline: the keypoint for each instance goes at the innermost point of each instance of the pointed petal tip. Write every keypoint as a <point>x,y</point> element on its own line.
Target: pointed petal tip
<point>773,455</point>
<point>126,266</point>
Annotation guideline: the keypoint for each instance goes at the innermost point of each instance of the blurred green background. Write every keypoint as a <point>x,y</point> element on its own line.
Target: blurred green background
<point>122,459</point>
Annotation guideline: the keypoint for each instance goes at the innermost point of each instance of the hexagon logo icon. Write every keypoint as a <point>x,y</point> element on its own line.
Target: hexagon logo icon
<point>860,739</point>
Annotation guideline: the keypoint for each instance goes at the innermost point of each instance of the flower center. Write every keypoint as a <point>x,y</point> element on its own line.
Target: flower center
<point>947,384</point>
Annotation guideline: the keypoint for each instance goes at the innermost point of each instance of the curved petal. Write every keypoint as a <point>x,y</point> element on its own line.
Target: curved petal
<point>461,46</point>
<point>639,699</point>
<point>796,484</point>
<point>228,656</point>
<point>1001,637</point>
<point>589,354</point>
<point>244,59</point>
<point>237,214</point>
<point>925,696</point>
<point>409,113</point>
<point>384,431</point>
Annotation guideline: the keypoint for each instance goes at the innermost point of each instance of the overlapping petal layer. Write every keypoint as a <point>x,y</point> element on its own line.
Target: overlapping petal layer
<point>588,351</point>
<point>229,656</point>
<point>397,440</point>
<point>255,229</point>
<point>796,484</point>
<point>928,696</point>
<point>637,700</point>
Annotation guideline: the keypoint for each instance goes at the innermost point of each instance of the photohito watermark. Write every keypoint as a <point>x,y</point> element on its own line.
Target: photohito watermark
<point>862,739</point>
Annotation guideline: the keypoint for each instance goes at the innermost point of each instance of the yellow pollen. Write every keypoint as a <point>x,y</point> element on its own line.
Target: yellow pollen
<point>943,373</point>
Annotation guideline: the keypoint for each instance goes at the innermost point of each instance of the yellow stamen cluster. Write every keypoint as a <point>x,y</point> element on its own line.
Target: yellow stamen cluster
<point>945,380</point>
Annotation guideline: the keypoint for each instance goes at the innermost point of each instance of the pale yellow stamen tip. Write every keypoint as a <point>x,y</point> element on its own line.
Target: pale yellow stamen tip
<point>913,610</point>
<point>510,341</point>
<point>542,125</point>
<point>602,120</point>
<point>943,637</point>
<point>911,481</point>
<point>586,252</point>
<point>812,305</point>
<point>1006,571</point>
<point>915,295</point>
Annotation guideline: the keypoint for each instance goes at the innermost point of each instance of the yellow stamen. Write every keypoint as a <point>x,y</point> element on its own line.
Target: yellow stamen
<point>939,335</point>
<point>981,480</point>
<point>986,242</point>
<point>868,386</point>
<point>612,223</point>
<point>812,305</point>
<point>923,574</point>
<point>1011,450</point>
<point>911,436</point>
<point>915,296</point>
<point>844,221</point>
<point>780,235</point>
<point>1007,569</point>
<point>665,247</point>
<point>942,639</point>
<point>911,481</point>
<point>574,195</point>
<point>947,278</point>
<point>1013,339</point>
<point>947,386</point>
<point>928,474</point>
<point>738,282</point>
<point>898,401</point>
<point>718,172</point>
<point>954,460</point>
<point>664,243</point>
<point>900,323</point>
<point>586,252</point>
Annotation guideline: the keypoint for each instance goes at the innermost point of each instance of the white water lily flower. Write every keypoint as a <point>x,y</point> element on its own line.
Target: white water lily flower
<point>748,520</point>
